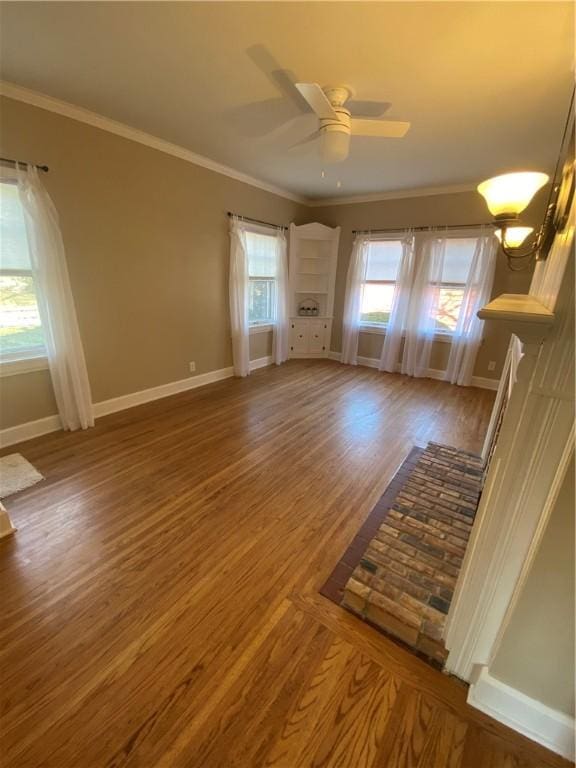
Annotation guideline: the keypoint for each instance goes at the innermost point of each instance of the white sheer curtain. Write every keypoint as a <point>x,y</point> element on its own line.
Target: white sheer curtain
<point>422,312</point>
<point>55,303</point>
<point>280,332</point>
<point>396,326</point>
<point>238,288</point>
<point>462,261</point>
<point>353,300</point>
<point>467,336</point>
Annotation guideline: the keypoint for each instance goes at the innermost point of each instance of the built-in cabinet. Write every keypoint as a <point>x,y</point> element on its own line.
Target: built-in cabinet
<point>312,277</point>
<point>310,338</point>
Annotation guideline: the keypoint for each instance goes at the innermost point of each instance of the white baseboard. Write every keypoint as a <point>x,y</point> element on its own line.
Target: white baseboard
<point>530,717</point>
<point>369,362</point>
<point>261,362</point>
<point>31,429</point>
<point>485,383</point>
<point>40,427</point>
<point>28,430</point>
<point>156,393</point>
<point>432,373</point>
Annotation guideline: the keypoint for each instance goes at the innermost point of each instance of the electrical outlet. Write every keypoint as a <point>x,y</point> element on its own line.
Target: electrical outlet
<point>492,365</point>
<point>192,366</point>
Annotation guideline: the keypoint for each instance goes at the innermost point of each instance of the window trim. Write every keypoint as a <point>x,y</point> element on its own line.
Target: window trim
<point>375,323</point>
<point>256,327</point>
<point>269,321</point>
<point>370,326</point>
<point>32,358</point>
<point>444,336</point>
<point>17,365</point>
<point>260,326</point>
<point>14,362</point>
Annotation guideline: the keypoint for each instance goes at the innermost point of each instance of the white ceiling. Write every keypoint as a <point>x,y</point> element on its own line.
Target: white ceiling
<point>485,85</point>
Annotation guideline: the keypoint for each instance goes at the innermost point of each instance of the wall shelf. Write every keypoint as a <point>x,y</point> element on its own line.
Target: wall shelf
<point>517,307</point>
<point>521,314</point>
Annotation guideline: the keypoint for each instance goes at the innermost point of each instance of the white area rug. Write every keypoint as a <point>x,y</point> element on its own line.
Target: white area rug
<point>16,474</point>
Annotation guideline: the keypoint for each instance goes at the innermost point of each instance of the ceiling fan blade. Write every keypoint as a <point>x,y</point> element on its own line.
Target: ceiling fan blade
<point>388,129</point>
<point>306,140</point>
<point>317,99</point>
<point>367,108</point>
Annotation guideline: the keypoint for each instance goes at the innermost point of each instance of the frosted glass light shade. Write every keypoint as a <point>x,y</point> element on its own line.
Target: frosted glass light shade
<point>511,192</point>
<point>334,145</point>
<point>515,236</point>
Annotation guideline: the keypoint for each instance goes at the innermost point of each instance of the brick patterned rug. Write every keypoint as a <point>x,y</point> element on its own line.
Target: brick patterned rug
<point>400,571</point>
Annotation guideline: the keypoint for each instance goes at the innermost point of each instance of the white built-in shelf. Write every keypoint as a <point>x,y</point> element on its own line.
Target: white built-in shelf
<point>517,307</point>
<point>312,273</point>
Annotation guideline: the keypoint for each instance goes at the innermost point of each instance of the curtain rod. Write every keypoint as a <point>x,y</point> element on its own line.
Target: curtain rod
<point>430,228</point>
<point>15,162</point>
<point>257,221</point>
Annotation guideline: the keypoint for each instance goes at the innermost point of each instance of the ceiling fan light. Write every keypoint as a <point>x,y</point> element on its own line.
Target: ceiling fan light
<point>514,236</point>
<point>510,193</point>
<point>334,145</point>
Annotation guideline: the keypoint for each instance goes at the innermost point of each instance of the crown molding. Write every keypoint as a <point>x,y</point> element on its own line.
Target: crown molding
<point>64,108</point>
<point>392,195</point>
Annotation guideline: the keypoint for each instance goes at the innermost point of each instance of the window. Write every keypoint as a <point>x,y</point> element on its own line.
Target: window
<point>384,258</point>
<point>455,269</point>
<point>262,272</point>
<point>21,335</point>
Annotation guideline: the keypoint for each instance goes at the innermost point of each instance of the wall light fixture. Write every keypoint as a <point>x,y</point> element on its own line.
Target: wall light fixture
<point>509,194</point>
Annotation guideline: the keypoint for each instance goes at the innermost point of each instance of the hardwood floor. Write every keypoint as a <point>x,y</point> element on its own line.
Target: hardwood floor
<point>160,599</point>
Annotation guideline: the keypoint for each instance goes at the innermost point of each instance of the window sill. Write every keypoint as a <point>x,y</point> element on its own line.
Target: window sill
<point>446,338</point>
<point>26,365</point>
<point>264,328</point>
<point>380,330</point>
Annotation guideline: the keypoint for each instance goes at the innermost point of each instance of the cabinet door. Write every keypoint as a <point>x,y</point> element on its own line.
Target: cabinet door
<point>318,331</point>
<point>299,334</point>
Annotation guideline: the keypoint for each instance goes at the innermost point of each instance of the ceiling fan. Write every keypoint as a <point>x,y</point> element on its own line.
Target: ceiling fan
<point>337,125</point>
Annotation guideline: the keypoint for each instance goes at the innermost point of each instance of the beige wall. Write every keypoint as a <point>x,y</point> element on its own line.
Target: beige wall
<point>146,238</point>
<point>26,397</point>
<point>260,345</point>
<point>460,208</point>
<point>536,655</point>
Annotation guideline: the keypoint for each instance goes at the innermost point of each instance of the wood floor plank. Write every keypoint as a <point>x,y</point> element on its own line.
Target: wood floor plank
<point>161,605</point>
<point>353,728</point>
<point>445,747</point>
<point>411,732</point>
<point>484,750</point>
<point>304,716</point>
